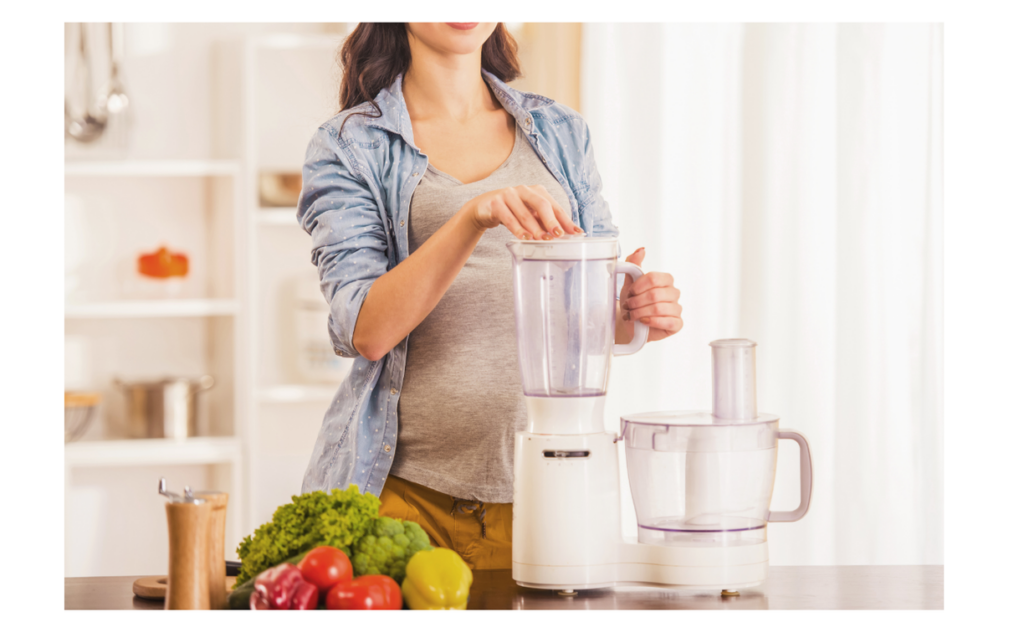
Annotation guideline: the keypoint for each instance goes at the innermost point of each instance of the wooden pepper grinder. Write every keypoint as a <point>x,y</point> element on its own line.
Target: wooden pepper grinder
<point>188,569</point>
<point>218,501</point>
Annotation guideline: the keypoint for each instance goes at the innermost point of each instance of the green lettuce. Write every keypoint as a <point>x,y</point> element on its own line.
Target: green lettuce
<point>339,519</point>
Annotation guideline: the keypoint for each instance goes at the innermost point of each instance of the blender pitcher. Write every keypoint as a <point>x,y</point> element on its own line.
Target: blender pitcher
<point>565,315</point>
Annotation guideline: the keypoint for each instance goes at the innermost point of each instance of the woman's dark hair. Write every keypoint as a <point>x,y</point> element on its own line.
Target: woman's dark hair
<point>376,52</point>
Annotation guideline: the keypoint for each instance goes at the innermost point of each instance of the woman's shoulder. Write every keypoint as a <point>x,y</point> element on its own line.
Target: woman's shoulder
<point>546,110</point>
<point>351,126</point>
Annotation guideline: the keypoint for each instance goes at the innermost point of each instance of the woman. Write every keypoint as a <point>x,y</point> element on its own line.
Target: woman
<point>410,194</point>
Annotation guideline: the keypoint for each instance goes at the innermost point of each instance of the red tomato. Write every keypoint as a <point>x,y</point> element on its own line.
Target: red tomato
<point>325,567</point>
<point>366,593</point>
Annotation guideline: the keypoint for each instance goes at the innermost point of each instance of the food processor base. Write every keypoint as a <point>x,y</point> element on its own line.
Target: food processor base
<point>697,568</point>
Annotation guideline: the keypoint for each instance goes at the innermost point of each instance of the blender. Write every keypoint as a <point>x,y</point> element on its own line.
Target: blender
<point>701,482</point>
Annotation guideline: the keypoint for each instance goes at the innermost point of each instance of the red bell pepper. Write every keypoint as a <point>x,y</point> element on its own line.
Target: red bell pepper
<point>282,588</point>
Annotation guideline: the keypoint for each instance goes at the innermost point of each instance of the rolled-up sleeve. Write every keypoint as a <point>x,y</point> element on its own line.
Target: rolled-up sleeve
<point>339,212</point>
<point>594,211</point>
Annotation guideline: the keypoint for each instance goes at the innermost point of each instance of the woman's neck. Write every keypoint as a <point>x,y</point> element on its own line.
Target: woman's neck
<point>444,85</point>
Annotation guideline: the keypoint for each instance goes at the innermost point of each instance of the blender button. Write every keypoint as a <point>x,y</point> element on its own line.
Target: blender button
<point>387,448</point>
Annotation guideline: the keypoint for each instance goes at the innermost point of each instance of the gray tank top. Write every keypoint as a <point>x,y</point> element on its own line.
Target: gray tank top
<point>462,399</point>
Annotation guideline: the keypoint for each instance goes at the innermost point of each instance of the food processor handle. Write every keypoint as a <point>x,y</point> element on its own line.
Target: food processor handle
<point>639,328</point>
<point>806,480</point>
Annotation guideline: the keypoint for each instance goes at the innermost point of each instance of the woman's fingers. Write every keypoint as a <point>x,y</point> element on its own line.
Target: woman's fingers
<point>542,210</point>
<point>511,198</point>
<point>509,220</point>
<point>652,296</point>
<point>532,210</point>
<point>562,218</point>
<point>668,324</point>
<point>651,280</point>
<point>660,309</point>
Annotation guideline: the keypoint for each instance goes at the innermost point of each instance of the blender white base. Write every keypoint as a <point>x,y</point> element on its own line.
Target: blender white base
<point>565,415</point>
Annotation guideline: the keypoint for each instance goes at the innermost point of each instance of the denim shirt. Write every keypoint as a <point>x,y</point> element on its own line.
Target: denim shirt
<point>357,183</point>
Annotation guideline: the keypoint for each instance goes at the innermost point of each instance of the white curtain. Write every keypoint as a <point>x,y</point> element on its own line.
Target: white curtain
<point>790,178</point>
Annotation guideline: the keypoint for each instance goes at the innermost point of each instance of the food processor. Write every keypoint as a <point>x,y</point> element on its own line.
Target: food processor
<point>701,482</point>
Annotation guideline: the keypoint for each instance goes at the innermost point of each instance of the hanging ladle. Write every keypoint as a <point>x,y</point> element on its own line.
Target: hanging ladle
<point>117,99</point>
<point>90,126</point>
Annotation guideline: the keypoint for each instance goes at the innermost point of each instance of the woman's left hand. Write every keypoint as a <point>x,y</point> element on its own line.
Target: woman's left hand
<point>652,300</point>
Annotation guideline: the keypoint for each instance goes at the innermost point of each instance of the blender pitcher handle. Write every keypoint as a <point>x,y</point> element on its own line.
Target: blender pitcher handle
<point>639,328</point>
<point>806,480</point>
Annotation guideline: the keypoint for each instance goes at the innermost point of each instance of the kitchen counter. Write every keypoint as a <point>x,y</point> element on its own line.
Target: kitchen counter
<point>830,588</point>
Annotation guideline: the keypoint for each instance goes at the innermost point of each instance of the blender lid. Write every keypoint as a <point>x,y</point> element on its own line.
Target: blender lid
<point>694,418</point>
<point>573,248</point>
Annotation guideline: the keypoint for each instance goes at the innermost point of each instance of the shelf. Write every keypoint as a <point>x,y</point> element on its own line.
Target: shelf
<point>170,168</point>
<point>298,393</point>
<point>152,308</point>
<point>110,453</point>
<point>278,216</point>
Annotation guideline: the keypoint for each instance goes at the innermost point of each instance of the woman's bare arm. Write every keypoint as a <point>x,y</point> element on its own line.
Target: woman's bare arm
<point>403,297</point>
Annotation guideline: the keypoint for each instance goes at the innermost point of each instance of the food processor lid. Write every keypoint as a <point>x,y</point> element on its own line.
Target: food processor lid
<point>695,418</point>
<point>697,431</point>
<point>573,248</point>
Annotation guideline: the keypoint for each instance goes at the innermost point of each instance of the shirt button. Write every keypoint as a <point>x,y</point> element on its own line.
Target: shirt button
<point>387,448</point>
<point>415,173</point>
<point>394,391</point>
<point>402,223</point>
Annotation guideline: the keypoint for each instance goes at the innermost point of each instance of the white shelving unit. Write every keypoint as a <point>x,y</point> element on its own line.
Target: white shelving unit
<point>130,309</point>
<point>198,201</point>
<point>270,93</point>
<point>140,453</point>
<point>290,84</point>
<point>156,168</point>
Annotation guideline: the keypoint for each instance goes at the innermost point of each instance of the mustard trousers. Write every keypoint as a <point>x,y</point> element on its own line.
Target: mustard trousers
<point>480,532</point>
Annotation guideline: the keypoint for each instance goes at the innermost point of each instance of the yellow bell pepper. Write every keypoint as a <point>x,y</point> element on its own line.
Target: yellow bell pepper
<point>436,579</point>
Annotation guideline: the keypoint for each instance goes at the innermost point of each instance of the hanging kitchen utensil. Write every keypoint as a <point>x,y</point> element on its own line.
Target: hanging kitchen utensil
<point>119,116</point>
<point>117,99</point>
<point>87,124</point>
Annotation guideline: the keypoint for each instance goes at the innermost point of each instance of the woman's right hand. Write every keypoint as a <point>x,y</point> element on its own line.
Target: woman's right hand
<point>529,212</point>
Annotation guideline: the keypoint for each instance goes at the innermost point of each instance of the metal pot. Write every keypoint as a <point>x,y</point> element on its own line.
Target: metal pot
<point>163,408</point>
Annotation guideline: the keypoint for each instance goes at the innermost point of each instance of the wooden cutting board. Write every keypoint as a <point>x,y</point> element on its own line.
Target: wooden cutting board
<point>155,587</point>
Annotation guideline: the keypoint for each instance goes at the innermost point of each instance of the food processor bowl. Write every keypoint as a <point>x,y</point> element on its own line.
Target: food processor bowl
<point>698,482</point>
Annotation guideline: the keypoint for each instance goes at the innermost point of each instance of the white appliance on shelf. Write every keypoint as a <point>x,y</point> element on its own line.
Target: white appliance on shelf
<point>313,357</point>
<point>701,482</point>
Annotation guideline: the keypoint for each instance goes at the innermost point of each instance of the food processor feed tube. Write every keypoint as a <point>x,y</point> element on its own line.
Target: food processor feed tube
<point>735,379</point>
<point>719,512</point>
